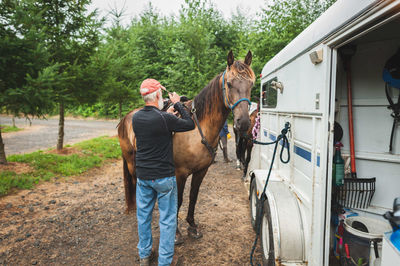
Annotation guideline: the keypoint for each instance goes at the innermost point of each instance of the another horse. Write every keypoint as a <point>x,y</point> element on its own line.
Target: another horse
<point>228,91</point>
<point>244,144</point>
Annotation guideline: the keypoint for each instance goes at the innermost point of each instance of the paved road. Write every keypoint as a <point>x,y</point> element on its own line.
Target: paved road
<point>43,133</point>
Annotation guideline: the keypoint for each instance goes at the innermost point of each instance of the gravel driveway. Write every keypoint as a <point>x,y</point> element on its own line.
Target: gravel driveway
<point>43,134</point>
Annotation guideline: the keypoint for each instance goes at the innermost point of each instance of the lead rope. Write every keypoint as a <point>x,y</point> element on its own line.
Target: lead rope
<point>260,203</point>
<point>203,139</point>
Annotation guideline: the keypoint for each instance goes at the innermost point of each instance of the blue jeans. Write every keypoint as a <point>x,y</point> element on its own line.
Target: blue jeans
<point>165,191</point>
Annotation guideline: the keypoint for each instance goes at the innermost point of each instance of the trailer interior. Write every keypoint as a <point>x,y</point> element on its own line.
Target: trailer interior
<point>376,181</point>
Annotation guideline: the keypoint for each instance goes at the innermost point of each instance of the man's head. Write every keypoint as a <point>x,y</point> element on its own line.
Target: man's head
<point>150,89</point>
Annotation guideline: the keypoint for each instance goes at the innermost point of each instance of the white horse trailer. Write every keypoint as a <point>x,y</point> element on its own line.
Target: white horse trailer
<point>306,85</point>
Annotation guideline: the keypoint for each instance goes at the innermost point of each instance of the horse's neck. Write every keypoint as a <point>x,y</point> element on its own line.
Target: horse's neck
<point>213,124</point>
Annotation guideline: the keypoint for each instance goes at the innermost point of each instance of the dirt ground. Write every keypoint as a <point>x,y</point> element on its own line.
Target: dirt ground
<point>81,221</point>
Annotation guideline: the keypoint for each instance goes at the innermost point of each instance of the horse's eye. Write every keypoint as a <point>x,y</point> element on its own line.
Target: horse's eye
<point>229,85</point>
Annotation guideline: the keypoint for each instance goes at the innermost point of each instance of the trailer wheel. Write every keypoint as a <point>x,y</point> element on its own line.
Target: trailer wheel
<point>267,237</point>
<point>253,203</point>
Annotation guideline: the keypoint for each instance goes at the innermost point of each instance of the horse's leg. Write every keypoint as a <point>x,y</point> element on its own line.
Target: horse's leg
<point>180,182</point>
<point>248,157</point>
<point>242,150</point>
<point>197,178</point>
<point>237,138</point>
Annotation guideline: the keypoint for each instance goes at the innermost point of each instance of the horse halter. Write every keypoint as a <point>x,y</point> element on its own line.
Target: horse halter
<point>226,99</point>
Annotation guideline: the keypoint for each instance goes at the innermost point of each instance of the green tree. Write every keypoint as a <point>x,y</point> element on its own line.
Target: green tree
<point>147,38</point>
<point>202,39</point>
<point>25,81</point>
<point>183,53</point>
<point>187,51</point>
<point>71,36</point>
<point>118,55</point>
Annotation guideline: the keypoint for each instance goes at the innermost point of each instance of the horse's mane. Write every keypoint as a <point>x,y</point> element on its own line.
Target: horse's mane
<point>207,97</point>
<point>212,93</point>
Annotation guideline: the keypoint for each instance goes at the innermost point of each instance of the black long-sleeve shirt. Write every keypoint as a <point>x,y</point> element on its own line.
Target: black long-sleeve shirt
<point>153,130</point>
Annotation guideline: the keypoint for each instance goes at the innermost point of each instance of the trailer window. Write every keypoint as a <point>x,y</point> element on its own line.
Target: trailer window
<point>269,94</point>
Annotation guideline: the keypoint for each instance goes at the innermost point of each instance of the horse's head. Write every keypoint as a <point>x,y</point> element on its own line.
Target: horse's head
<point>238,79</point>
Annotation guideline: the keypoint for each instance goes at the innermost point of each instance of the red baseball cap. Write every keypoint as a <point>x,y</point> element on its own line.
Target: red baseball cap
<point>150,85</point>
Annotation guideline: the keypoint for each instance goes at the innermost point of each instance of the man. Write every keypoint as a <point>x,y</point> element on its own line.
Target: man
<point>155,169</point>
<point>224,136</point>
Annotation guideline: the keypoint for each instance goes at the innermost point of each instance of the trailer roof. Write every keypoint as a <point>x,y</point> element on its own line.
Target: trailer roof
<point>337,16</point>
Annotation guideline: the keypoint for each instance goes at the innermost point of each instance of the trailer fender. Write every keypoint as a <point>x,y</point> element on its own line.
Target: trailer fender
<point>286,219</point>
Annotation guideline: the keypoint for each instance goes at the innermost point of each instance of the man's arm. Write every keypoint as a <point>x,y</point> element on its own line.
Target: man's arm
<point>179,124</point>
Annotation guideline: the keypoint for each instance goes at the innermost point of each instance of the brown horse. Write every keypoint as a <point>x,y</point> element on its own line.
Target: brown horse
<point>244,143</point>
<point>191,156</point>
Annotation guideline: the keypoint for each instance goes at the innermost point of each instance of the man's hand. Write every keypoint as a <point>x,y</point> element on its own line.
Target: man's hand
<point>174,97</point>
<point>171,110</point>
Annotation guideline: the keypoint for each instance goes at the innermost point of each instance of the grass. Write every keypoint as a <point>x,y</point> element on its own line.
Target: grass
<point>91,153</point>
<point>7,129</point>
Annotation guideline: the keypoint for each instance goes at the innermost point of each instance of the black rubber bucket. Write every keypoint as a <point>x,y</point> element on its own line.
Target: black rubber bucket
<point>364,238</point>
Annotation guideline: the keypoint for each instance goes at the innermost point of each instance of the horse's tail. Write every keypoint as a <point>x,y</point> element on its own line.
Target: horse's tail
<point>130,188</point>
<point>128,157</point>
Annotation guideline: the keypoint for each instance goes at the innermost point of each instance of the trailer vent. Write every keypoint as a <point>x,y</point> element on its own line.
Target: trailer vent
<point>356,192</point>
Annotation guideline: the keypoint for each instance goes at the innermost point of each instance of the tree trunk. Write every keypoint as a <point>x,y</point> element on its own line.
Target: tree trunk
<point>13,121</point>
<point>61,128</point>
<point>3,159</point>
<point>120,110</point>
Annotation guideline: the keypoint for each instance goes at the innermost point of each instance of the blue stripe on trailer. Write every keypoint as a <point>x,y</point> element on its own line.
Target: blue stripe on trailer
<point>298,150</point>
<point>265,133</point>
<point>302,153</point>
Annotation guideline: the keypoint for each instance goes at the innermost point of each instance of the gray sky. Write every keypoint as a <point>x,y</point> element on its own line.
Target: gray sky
<point>167,7</point>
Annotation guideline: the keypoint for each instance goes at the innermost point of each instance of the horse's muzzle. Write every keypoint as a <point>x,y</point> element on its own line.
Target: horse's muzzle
<point>242,125</point>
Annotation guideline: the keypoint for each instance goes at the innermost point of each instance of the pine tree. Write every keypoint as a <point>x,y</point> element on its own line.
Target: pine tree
<point>23,57</point>
<point>71,35</point>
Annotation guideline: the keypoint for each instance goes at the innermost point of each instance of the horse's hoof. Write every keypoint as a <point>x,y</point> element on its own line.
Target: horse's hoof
<point>130,210</point>
<point>178,239</point>
<point>194,232</point>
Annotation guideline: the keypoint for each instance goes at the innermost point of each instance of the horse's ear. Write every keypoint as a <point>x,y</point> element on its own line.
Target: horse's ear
<point>248,58</point>
<point>231,59</point>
